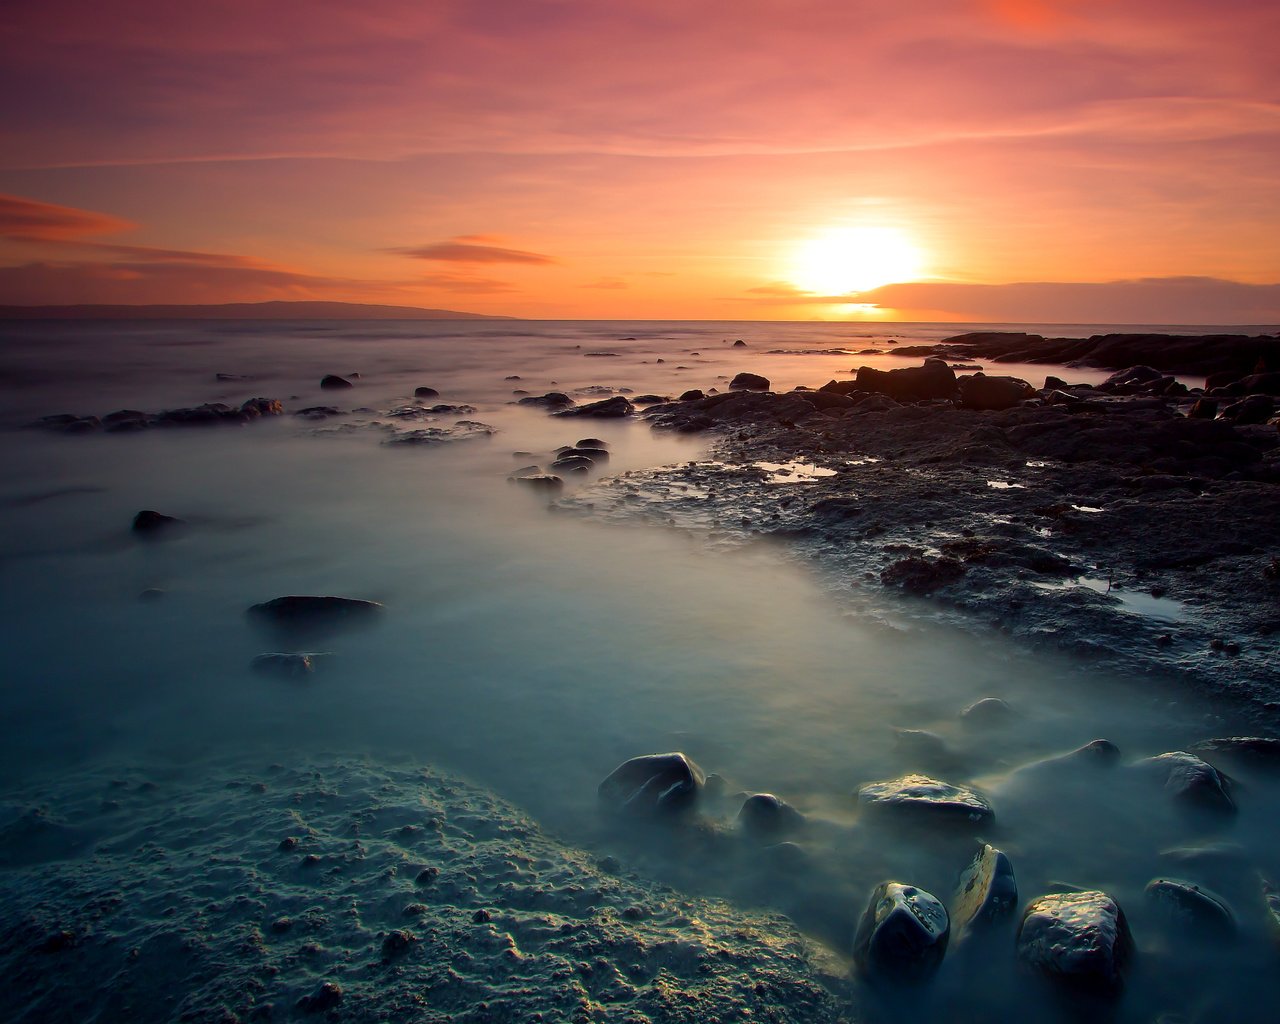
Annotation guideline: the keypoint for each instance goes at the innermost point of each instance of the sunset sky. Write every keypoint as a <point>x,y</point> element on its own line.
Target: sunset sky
<point>991,160</point>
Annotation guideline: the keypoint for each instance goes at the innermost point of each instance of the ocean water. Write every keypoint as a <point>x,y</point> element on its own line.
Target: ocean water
<point>533,650</point>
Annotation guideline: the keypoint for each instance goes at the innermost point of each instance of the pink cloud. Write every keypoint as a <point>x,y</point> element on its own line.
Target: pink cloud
<point>30,220</point>
<point>461,250</point>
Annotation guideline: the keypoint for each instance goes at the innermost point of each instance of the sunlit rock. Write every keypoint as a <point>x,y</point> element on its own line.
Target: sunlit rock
<point>987,891</point>
<point>903,933</point>
<point>1191,908</point>
<point>652,784</point>
<point>766,817</point>
<point>1080,939</point>
<point>923,798</point>
<point>256,407</point>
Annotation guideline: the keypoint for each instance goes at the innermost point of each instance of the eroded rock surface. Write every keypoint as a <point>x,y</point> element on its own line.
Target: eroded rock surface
<point>1080,939</point>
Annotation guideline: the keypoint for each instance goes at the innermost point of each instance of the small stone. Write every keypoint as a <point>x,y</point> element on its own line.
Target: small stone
<point>539,481</point>
<point>149,521</point>
<point>427,875</point>
<point>749,382</point>
<point>481,916</point>
<point>288,843</point>
<point>1080,939</point>
<point>592,442</point>
<point>903,933</point>
<point>281,925</point>
<point>397,942</point>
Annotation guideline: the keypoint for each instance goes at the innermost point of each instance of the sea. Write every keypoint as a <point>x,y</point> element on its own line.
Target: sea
<point>524,646</point>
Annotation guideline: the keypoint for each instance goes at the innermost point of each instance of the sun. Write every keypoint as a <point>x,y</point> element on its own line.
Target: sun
<point>845,260</point>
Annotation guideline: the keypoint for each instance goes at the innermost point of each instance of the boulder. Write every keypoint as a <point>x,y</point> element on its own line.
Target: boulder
<point>426,392</point>
<point>573,464</point>
<point>1133,377</point>
<point>749,382</point>
<point>1192,909</point>
<point>839,387</point>
<point>925,799</point>
<point>1203,409</point>
<point>591,442</point>
<point>652,784</point>
<point>1191,780</point>
<point>593,454</point>
<point>151,522</point>
<point>993,393</point>
<point>1079,939</point>
<point>332,381</point>
<point>126,420</point>
<point>1254,409</point>
<point>608,408</point>
<point>739,344</point>
<point>767,818</point>
<point>693,395</point>
<point>987,891</point>
<point>933,379</point>
<point>539,481</point>
<point>903,933</point>
<point>551,400</point>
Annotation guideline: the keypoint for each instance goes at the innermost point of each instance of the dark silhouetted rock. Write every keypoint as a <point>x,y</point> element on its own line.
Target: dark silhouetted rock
<point>209,414</point>
<point>594,454</point>
<point>319,412</point>
<point>933,379</point>
<point>765,817</point>
<point>1192,909</point>
<point>572,464</point>
<point>397,942</point>
<point>149,521</point>
<point>332,380</point>
<point>749,382</point>
<point>650,399</point>
<point>921,798</point>
<point>692,395</point>
<point>1203,409</point>
<point>1191,780</point>
<point>288,666</point>
<point>426,392</point>
<point>1254,409</point>
<point>325,998</point>
<point>307,610</point>
<point>1080,939</point>
<point>987,891</point>
<point>993,393</point>
<point>1251,751</point>
<point>903,933</point>
<point>608,408</point>
<point>739,344</point>
<point>652,784</point>
<point>592,442</point>
<point>125,421</point>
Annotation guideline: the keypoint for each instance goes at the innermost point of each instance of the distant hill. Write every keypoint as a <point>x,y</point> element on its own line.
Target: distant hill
<point>241,311</point>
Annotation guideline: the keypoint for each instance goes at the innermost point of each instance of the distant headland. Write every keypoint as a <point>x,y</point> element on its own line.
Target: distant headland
<point>240,311</point>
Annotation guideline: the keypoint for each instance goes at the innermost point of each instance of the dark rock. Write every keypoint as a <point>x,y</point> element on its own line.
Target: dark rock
<point>572,464</point>
<point>903,933</point>
<point>151,594</point>
<point>1253,751</point>
<point>289,666</point>
<point>594,454</point>
<point>652,783</point>
<point>325,998</point>
<point>739,344</point>
<point>592,442</point>
<point>987,891</point>
<point>125,421</point>
<point>256,407</point>
<point>933,379</point>
<point>1094,754</point>
<point>922,798</point>
<point>1132,377</point>
<point>1203,409</point>
<point>692,395</point>
<point>987,711</point>
<point>539,481</point>
<point>650,399</point>
<point>319,412</point>
<point>749,382</point>
<point>148,521</point>
<point>1254,409</point>
<point>426,392</point>
<point>308,612</point>
<point>332,380</point>
<point>767,818</point>
<point>921,576</point>
<point>608,408</point>
<point>209,414</point>
<point>1192,780</point>
<point>231,377</point>
<point>397,942</point>
<point>827,400</point>
<point>1079,939</point>
<point>993,393</point>
<point>840,387</point>
<point>551,400</point>
<point>66,423</point>
<point>1192,909</point>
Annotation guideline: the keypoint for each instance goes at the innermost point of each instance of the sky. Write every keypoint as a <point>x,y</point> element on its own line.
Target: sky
<point>978,160</point>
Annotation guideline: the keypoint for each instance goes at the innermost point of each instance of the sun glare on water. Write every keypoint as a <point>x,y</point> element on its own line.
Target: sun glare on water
<point>846,260</point>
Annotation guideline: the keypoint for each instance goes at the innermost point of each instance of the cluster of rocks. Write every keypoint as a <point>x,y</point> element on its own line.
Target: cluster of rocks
<point>131,420</point>
<point>577,460</point>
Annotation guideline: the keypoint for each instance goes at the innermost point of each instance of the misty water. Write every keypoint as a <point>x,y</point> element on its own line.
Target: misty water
<point>532,649</point>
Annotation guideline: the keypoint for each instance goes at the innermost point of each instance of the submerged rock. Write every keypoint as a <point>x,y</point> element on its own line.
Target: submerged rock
<point>987,891</point>
<point>766,817</point>
<point>923,798</point>
<point>151,522</point>
<point>1192,908</point>
<point>749,382</point>
<point>290,666</point>
<point>608,408</point>
<point>256,407</point>
<point>652,784</point>
<point>538,481</point>
<point>988,711</point>
<point>1080,939</point>
<point>594,454</point>
<point>903,933</point>
<point>1192,780</point>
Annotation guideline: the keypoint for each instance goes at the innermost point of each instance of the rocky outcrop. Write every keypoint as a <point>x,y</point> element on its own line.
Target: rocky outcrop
<point>993,393</point>
<point>1191,780</point>
<point>1079,939</point>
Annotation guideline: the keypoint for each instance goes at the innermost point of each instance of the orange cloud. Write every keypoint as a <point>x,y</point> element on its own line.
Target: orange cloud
<point>29,220</point>
<point>461,250</point>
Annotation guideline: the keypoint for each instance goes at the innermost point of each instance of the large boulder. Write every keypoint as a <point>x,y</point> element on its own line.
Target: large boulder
<point>987,891</point>
<point>993,393</point>
<point>933,379</point>
<point>922,798</point>
<point>902,935</point>
<point>608,408</point>
<point>1191,780</point>
<point>652,784</point>
<point>750,382</point>
<point>1079,939</point>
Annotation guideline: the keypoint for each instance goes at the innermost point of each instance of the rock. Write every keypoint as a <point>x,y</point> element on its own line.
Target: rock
<point>426,392</point>
<point>926,799</point>
<point>68,424</point>
<point>1192,909</point>
<point>209,414</point>
<point>462,430</point>
<point>325,998</point>
<point>126,421</point>
<point>933,379</point>
<point>572,464</point>
<point>539,481</point>
<point>739,344</point>
<point>1094,754</point>
<point>1254,751</point>
<point>987,891</point>
<point>318,412</point>
<point>290,666</point>
<point>1203,409</point>
<point>333,381</point>
<point>1254,409</point>
<point>294,611</point>
<point>592,442</point>
<point>749,382</point>
<point>692,395</point>
<point>594,454</point>
<point>922,576</point>
<point>903,933</point>
<point>1271,908</point>
<point>151,594</point>
<point>551,400</point>
<point>1079,939</point>
<point>993,393</point>
<point>765,817</point>
<point>652,784</point>
<point>151,522</point>
<point>256,407</point>
<point>1192,780</point>
<point>988,711</point>
<point>397,942</point>
<point>608,408</point>
<point>1134,376</point>
<point>650,399</point>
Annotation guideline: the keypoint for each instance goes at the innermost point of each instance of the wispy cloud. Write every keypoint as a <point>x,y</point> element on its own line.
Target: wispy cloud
<point>30,220</point>
<point>463,250</point>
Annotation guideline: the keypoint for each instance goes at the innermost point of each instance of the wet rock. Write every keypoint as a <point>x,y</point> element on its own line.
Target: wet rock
<point>692,395</point>
<point>332,381</point>
<point>572,464</point>
<point>152,523</point>
<point>989,711</point>
<point>462,430</point>
<point>288,666</point>
<point>1132,377</point>
<point>1094,754</point>
<point>1191,780</point>
<point>903,933</point>
<point>987,891</point>
<point>426,392</point>
<point>1192,908</point>
<point>767,818</point>
<point>539,481</point>
<point>1253,751</point>
<point>922,576</point>
<point>124,421</point>
<point>652,784</point>
<point>749,382</point>
<point>257,407</point>
<point>209,414</point>
<point>1080,939</point>
<point>608,408</point>
<point>323,999</point>
<point>650,399</point>
<point>934,379</point>
<point>318,611</point>
<point>594,454</point>
<point>993,393</point>
<point>922,798</point>
<point>592,442</point>
<point>1203,409</point>
<point>551,400</point>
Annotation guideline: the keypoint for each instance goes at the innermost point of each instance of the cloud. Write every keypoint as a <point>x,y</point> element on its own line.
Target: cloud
<point>29,220</point>
<point>462,250</point>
